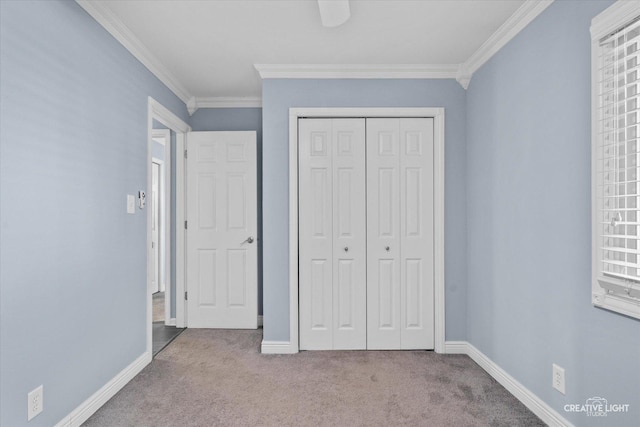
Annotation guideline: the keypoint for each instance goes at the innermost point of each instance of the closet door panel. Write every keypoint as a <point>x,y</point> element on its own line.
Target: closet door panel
<point>332,234</point>
<point>349,235</point>
<point>383,234</point>
<point>315,234</point>
<point>416,231</point>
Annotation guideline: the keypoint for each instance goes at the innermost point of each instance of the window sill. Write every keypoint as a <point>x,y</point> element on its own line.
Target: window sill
<point>628,306</point>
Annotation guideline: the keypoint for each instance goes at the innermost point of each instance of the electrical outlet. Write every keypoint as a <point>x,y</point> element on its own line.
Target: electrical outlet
<point>34,402</point>
<point>558,378</point>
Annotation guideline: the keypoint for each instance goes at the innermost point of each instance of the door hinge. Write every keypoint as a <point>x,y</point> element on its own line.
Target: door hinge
<point>185,296</point>
<point>185,225</point>
<point>185,154</point>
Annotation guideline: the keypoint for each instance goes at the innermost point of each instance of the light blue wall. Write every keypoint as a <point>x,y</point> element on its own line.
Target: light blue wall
<point>237,119</point>
<point>227,119</point>
<point>280,95</point>
<point>72,261</point>
<point>529,221</point>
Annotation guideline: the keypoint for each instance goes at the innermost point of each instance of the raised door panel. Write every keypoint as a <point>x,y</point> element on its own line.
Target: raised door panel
<point>237,284</point>
<point>383,234</point>
<point>236,201</point>
<point>206,201</point>
<point>416,230</point>
<point>206,268</point>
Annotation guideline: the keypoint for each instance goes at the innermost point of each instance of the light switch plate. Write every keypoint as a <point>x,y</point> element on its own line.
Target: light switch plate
<point>131,204</point>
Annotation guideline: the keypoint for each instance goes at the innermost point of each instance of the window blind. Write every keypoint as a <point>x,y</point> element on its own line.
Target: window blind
<point>619,153</point>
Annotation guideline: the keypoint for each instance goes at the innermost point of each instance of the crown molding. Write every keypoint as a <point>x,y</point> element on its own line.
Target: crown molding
<point>610,19</point>
<point>522,17</point>
<point>196,103</point>
<point>463,78</point>
<point>356,71</point>
<point>123,34</point>
<point>463,73</point>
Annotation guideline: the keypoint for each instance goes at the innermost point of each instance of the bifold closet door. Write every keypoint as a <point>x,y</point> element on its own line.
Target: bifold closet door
<point>400,254</point>
<point>332,234</point>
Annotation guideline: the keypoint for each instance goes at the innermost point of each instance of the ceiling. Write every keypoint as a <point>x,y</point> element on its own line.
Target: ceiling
<point>207,49</point>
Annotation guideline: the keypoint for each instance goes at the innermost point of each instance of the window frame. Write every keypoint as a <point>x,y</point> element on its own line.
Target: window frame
<point>607,292</point>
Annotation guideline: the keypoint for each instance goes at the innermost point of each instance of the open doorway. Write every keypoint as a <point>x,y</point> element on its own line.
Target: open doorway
<point>166,138</point>
<point>160,206</point>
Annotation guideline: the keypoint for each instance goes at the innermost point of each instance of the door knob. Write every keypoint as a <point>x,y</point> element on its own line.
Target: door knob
<point>346,248</point>
<point>386,248</point>
<point>248,240</point>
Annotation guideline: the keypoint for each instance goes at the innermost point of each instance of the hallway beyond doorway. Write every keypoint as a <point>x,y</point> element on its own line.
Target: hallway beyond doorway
<point>162,334</point>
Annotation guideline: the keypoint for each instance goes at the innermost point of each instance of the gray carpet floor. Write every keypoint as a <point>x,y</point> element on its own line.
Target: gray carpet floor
<point>219,378</point>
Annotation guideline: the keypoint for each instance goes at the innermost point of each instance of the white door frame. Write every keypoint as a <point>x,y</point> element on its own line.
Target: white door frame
<point>164,135</point>
<point>156,111</point>
<point>162,260</point>
<point>438,171</point>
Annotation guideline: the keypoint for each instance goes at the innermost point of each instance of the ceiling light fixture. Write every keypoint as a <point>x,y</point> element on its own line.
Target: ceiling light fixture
<point>334,12</point>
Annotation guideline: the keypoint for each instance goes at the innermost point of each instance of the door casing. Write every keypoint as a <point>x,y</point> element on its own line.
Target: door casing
<point>163,136</point>
<point>439,174</point>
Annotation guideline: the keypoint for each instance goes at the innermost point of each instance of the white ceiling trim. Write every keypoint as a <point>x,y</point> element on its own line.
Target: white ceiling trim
<point>503,35</point>
<point>461,72</point>
<point>223,102</point>
<point>356,71</point>
<point>117,29</point>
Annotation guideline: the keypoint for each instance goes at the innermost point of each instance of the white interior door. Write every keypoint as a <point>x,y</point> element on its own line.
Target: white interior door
<point>222,251</point>
<point>416,234</point>
<point>332,234</point>
<point>155,227</point>
<point>400,263</point>
<point>383,234</point>
<point>349,235</point>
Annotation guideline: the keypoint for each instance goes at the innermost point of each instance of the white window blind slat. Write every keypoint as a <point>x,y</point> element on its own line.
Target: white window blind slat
<point>614,249</point>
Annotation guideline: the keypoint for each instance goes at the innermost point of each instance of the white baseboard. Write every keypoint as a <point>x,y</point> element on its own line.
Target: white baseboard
<point>536,405</point>
<point>259,320</point>
<point>99,398</point>
<point>456,347</point>
<point>277,347</point>
<point>171,322</point>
